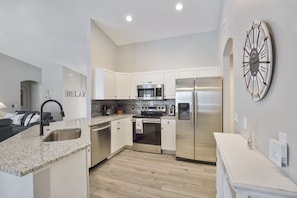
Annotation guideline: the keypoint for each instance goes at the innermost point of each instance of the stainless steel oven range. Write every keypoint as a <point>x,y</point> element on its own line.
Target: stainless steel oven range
<point>147,129</point>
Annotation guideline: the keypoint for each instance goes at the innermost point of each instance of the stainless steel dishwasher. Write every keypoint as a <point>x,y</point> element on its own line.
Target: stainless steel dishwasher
<point>100,142</point>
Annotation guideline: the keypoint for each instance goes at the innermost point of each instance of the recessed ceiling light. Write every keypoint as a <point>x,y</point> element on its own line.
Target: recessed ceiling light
<point>129,18</point>
<point>179,7</point>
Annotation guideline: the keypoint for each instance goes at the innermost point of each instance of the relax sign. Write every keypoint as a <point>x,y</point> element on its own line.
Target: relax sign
<point>69,93</point>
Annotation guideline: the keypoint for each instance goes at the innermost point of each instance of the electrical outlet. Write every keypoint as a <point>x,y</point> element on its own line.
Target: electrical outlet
<point>245,123</point>
<point>236,117</point>
<point>282,137</point>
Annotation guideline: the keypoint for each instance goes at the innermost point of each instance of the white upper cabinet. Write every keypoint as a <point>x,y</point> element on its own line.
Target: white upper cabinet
<point>117,85</point>
<point>169,84</point>
<point>208,71</point>
<point>123,85</point>
<point>150,77</point>
<point>133,85</point>
<point>104,84</point>
<point>157,77</point>
<point>187,73</point>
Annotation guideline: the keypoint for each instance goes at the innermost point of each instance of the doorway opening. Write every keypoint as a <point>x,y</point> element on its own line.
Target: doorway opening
<point>29,95</point>
<point>228,73</point>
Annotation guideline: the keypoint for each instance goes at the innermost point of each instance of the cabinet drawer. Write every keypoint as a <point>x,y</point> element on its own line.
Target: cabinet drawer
<point>168,123</point>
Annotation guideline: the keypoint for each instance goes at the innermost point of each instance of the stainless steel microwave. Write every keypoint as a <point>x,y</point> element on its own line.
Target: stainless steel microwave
<point>150,92</point>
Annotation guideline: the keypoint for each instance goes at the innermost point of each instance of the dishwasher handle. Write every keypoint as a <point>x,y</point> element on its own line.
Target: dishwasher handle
<point>101,128</point>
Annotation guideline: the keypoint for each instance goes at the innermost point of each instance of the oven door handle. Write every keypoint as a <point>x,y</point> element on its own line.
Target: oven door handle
<point>148,121</point>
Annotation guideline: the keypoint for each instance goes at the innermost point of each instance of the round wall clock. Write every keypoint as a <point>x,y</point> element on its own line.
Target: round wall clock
<point>257,60</point>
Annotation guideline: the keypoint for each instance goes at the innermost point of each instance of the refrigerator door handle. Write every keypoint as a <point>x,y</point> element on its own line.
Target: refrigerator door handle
<point>193,108</point>
<point>196,106</point>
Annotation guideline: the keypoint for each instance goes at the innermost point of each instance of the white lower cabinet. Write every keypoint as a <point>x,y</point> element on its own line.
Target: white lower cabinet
<point>168,134</point>
<point>66,177</point>
<point>115,138</point>
<point>121,134</point>
<point>127,132</point>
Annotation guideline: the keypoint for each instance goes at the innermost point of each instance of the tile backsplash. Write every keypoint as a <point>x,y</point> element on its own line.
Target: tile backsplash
<point>128,106</point>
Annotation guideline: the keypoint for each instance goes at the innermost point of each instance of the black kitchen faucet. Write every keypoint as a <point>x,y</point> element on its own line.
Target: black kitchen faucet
<point>46,122</point>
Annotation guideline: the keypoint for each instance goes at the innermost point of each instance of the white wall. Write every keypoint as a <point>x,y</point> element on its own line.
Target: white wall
<point>52,88</point>
<point>197,50</point>
<point>14,71</point>
<point>103,49</point>
<point>277,111</point>
<point>74,106</point>
<point>56,80</point>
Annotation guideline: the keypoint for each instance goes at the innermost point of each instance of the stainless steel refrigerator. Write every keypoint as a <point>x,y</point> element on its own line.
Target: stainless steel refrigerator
<point>199,113</point>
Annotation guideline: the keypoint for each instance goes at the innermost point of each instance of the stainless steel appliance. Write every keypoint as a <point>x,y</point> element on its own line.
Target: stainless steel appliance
<point>100,142</point>
<point>149,138</point>
<point>198,115</point>
<point>150,92</point>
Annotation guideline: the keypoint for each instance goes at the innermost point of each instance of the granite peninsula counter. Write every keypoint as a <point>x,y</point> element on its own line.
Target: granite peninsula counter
<point>26,152</point>
<point>32,168</point>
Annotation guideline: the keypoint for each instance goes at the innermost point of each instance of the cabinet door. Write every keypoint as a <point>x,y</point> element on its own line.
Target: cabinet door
<point>114,137</point>
<point>208,71</point>
<point>104,84</point>
<point>120,131</point>
<point>127,131</point>
<point>123,85</point>
<point>187,73</point>
<point>150,77</point>
<point>169,84</point>
<point>168,138</point>
<point>133,86</point>
<point>143,78</point>
<point>109,85</point>
<point>156,77</point>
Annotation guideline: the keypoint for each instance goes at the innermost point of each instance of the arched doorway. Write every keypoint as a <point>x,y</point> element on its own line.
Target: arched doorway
<point>228,73</point>
<point>29,95</point>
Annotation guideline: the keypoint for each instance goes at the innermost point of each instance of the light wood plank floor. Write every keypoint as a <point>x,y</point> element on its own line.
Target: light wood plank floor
<point>145,175</point>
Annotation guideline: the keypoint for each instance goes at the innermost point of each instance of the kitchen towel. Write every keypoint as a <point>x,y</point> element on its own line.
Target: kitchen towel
<point>139,126</point>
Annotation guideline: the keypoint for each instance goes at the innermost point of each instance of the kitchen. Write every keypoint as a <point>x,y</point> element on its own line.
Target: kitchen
<point>269,124</point>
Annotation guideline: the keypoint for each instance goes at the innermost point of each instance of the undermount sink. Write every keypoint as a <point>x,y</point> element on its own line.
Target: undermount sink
<point>63,134</point>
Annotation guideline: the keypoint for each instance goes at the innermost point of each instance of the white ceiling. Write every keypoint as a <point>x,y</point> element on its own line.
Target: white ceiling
<point>56,32</point>
<point>155,19</point>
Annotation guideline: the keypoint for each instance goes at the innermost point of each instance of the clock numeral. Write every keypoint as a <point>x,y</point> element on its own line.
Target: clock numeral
<point>263,44</point>
<point>263,54</point>
<point>258,35</point>
<point>248,80</point>
<point>253,33</point>
<point>262,68</point>
<point>249,53</point>
<point>248,38</point>
<point>258,87</point>
<point>246,72</point>
<point>262,77</point>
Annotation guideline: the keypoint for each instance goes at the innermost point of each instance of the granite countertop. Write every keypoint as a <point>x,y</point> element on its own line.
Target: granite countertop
<point>168,117</point>
<point>25,152</point>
